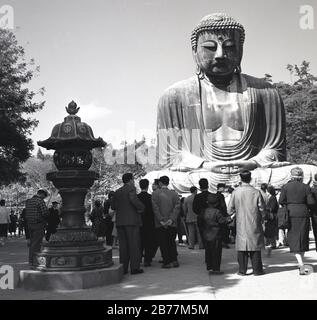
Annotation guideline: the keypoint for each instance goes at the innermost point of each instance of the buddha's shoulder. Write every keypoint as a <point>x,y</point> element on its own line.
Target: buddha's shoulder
<point>257,83</point>
<point>181,87</point>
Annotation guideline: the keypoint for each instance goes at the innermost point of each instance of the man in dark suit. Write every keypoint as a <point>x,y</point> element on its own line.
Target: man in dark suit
<point>166,207</point>
<point>200,204</point>
<point>200,200</point>
<point>148,239</point>
<point>128,221</point>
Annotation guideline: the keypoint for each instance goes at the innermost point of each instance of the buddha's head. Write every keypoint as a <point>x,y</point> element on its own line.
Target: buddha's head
<point>217,44</point>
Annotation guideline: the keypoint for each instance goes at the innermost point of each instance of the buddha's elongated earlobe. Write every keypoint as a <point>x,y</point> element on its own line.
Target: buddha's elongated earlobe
<point>198,70</point>
<point>238,69</point>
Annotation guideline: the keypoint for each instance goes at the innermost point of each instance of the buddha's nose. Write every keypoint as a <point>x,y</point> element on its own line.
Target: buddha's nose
<point>219,53</point>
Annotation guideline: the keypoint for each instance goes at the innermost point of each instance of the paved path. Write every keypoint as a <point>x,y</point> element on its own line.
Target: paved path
<point>190,281</point>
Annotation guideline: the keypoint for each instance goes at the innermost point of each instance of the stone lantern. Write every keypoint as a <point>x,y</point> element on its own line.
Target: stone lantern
<point>74,247</point>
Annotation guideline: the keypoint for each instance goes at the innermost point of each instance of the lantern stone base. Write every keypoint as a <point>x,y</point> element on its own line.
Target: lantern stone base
<point>73,256</point>
<point>70,280</point>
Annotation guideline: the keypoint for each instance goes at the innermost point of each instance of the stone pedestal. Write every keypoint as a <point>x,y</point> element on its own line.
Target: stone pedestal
<point>70,280</point>
<point>73,256</point>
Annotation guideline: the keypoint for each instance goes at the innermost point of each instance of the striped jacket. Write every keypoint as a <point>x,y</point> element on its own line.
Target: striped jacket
<point>36,210</point>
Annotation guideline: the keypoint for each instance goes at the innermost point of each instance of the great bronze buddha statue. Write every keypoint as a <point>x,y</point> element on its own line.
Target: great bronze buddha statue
<point>220,121</point>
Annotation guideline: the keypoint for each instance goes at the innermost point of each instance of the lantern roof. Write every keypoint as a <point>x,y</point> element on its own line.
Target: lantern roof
<point>72,133</point>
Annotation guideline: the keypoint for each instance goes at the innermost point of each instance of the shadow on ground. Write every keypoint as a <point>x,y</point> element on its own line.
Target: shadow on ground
<point>284,260</point>
<point>190,281</point>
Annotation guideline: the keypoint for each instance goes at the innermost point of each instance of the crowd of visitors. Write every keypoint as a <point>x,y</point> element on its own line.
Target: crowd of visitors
<point>141,223</point>
<point>242,215</point>
<point>12,223</point>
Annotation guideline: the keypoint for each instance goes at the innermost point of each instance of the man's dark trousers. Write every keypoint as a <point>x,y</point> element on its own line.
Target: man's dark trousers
<point>36,232</point>
<point>225,234</point>
<point>213,253</point>
<point>129,247</point>
<point>167,243</point>
<point>148,243</point>
<point>256,261</point>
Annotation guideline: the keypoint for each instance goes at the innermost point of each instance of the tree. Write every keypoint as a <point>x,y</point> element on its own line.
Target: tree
<point>110,174</point>
<point>300,100</point>
<point>40,154</point>
<point>35,171</point>
<point>16,102</point>
<point>302,73</point>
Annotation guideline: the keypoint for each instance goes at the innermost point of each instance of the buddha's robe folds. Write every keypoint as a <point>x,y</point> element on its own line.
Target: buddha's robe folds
<point>198,122</point>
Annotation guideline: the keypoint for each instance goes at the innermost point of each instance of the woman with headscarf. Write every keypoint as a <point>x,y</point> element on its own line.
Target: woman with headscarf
<point>297,196</point>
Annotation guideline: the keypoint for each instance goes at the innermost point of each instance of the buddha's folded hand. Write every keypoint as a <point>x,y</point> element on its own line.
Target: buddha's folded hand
<point>180,168</point>
<point>230,167</point>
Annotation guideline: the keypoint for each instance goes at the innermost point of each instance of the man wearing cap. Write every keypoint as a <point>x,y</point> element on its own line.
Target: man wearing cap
<point>36,214</point>
<point>53,220</point>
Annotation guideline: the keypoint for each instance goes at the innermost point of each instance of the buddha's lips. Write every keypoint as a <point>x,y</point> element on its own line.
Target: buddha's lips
<point>220,65</point>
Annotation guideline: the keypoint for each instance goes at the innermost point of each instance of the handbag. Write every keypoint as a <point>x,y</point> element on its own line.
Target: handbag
<point>283,221</point>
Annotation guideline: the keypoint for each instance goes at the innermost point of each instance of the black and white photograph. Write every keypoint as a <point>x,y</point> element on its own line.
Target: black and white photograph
<point>158,150</point>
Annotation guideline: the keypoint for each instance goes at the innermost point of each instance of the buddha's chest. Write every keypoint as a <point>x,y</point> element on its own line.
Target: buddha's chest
<point>229,115</point>
<point>222,114</point>
<point>223,109</point>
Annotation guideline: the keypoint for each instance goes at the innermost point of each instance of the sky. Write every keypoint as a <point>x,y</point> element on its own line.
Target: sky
<point>116,57</point>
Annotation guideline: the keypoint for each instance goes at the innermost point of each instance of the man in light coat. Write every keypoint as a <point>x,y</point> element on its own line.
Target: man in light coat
<point>128,222</point>
<point>247,205</point>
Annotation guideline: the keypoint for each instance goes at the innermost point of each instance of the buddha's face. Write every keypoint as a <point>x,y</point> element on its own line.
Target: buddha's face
<point>218,53</point>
